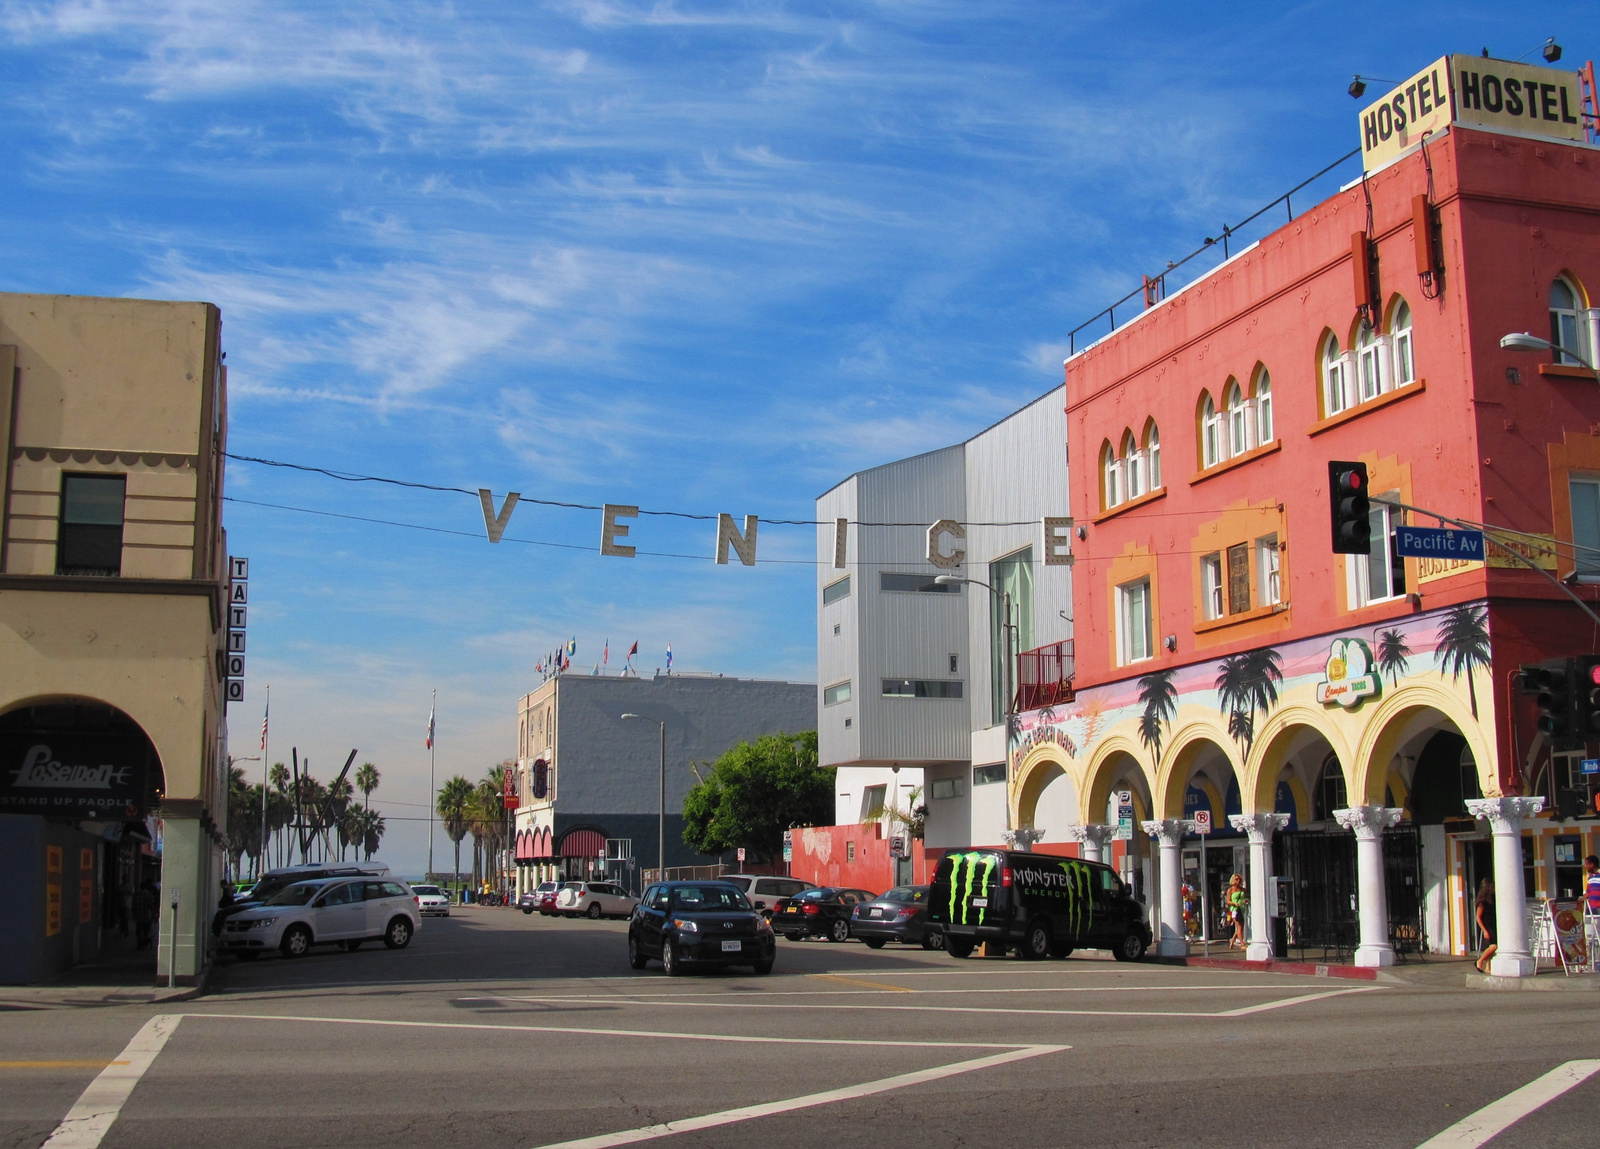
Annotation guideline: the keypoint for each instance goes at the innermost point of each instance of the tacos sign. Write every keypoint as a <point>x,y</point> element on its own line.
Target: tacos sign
<point>1348,677</point>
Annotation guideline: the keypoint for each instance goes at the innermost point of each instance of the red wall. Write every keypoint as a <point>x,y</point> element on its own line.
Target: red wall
<point>872,869</point>
<point>1515,213</point>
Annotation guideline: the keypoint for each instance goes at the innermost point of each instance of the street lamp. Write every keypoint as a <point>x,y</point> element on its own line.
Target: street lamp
<point>1007,684</point>
<point>1523,341</point>
<point>661,821</point>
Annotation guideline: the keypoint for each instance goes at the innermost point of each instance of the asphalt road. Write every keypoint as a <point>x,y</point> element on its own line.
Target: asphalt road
<point>495,1029</point>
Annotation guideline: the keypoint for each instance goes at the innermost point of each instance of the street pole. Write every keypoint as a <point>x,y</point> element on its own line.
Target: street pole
<point>661,817</point>
<point>433,793</point>
<point>266,758</point>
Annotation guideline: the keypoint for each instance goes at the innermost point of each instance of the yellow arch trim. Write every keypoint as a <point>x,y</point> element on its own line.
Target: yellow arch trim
<point>1103,769</point>
<point>1402,793</point>
<point>1186,742</point>
<point>1265,762</point>
<point>1380,736</point>
<point>1033,776</point>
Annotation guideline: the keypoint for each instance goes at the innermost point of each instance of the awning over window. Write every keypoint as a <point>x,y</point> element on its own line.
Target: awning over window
<point>583,844</point>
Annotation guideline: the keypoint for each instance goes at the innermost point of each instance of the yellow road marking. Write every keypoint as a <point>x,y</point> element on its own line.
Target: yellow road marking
<point>858,981</point>
<point>58,1064</point>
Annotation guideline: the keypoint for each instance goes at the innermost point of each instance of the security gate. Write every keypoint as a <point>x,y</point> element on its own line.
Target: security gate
<point>1323,908</point>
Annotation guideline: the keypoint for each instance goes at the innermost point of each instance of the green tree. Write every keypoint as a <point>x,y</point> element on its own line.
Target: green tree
<point>454,805</point>
<point>1393,654</point>
<point>1464,645</point>
<point>755,792</point>
<point>367,778</point>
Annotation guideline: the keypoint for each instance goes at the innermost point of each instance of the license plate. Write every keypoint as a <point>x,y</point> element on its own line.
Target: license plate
<point>980,903</point>
<point>730,947</point>
<point>790,910</point>
<point>875,914</point>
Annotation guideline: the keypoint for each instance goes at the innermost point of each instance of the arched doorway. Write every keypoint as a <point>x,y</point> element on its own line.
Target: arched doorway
<point>1047,795</point>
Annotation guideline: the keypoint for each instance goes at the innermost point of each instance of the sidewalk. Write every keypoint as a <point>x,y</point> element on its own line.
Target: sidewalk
<point>1441,971</point>
<point>125,976</point>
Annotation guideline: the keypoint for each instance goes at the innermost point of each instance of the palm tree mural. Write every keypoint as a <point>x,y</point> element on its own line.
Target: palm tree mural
<point>1160,699</point>
<point>1392,655</point>
<point>1247,683</point>
<point>1464,645</point>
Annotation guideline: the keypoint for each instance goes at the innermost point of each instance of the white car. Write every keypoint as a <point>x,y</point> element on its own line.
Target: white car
<point>595,899</point>
<point>765,891</point>
<point>432,900</point>
<point>329,911</point>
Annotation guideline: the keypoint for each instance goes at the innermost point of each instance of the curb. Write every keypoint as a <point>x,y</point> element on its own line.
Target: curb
<point>1302,969</point>
<point>1578,982</point>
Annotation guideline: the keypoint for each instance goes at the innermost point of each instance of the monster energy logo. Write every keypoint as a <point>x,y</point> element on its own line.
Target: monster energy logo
<point>1066,878</point>
<point>966,867</point>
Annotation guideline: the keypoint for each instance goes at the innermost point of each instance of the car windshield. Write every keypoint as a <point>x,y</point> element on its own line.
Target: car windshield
<point>906,895</point>
<point>296,895</point>
<point>573,886</point>
<point>425,889</point>
<point>821,895</point>
<point>709,898</point>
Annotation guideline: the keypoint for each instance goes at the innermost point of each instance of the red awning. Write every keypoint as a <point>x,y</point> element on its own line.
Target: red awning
<point>583,844</point>
<point>525,845</point>
<point>545,847</point>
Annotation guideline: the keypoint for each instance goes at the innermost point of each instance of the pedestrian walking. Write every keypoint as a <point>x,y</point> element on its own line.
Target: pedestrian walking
<point>1236,899</point>
<point>1591,884</point>
<point>1483,911</point>
<point>144,913</point>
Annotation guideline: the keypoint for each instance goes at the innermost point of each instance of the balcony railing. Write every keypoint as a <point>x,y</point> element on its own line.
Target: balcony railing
<point>1044,676</point>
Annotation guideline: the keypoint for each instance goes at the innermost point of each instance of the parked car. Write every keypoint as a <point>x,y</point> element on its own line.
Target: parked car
<point>901,915</point>
<point>275,880</point>
<point>432,900</point>
<point>327,911</point>
<point>687,924</point>
<point>534,898</point>
<point>1040,905</point>
<point>595,899</point>
<point>822,912</point>
<point>765,891</point>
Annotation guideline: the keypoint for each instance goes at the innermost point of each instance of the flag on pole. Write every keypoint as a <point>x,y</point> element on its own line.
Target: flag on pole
<point>605,655</point>
<point>264,715</point>
<point>572,646</point>
<point>428,742</point>
<point>634,649</point>
<point>669,656</point>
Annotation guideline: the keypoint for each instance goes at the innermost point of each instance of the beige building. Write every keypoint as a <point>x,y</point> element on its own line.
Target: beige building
<point>113,619</point>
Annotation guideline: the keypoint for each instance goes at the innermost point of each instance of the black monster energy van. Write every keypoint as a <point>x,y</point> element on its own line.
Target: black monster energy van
<point>1035,904</point>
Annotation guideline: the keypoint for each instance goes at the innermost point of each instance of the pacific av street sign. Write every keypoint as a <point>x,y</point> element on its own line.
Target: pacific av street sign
<point>1437,543</point>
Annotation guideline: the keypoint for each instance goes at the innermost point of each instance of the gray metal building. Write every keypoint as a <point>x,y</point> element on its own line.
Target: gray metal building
<point>910,671</point>
<point>588,780</point>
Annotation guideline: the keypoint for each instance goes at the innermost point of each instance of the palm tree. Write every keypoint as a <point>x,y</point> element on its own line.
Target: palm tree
<point>367,778</point>
<point>372,833</point>
<point>1160,698</point>
<point>487,824</point>
<point>1246,683</point>
<point>1392,654</point>
<point>278,807</point>
<point>1463,645</point>
<point>455,796</point>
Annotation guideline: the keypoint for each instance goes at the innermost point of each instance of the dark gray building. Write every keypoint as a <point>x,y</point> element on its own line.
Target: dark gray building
<point>588,780</point>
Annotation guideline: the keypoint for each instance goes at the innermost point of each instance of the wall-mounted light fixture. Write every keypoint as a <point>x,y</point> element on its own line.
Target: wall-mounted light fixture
<point>1171,643</point>
<point>1083,533</point>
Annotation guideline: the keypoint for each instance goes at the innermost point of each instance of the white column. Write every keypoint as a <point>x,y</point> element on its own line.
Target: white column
<point>1092,839</point>
<point>1506,816</point>
<point>1259,828</point>
<point>1170,941</point>
<point>1022,838</point>
<point>1372,899</point>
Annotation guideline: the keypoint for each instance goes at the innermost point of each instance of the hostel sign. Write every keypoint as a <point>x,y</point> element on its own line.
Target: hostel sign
<point>1495,95</point>
<point>1348,677</point>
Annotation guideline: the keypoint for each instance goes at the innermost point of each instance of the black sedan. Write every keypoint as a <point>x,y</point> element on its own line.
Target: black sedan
<point>822,913</point>
<point>698,924</point>
<point>901,915</point>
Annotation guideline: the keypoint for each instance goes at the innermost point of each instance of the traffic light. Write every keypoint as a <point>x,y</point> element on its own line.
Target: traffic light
<point>1557,701</point>
<point>1347,494</point>
<point>1588,686</point>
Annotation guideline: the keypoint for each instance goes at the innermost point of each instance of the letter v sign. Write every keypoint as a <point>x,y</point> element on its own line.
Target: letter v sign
<point>493,523</point>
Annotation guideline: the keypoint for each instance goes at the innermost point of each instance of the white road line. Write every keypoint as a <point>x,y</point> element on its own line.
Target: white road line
<point>1288,1001</point>
<point>613,1032</point>
<point>878,992</point>
<point>89,1120</point>
<point>770,1005</point>
<point>767,1109</point>
<point>1498,1116</point>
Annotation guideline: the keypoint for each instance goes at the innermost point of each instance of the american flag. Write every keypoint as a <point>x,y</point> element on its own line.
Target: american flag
<point>669,656</point>
<point>264,715</point>
<point>428,742</point>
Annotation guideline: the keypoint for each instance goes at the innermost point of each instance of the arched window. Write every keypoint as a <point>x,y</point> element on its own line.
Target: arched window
<point>1369,360</point>
<point>1132,466</point>
<point>1210,434</point>
<point>1567,323</point>
<point>1405,367</point>
<point>1111,476</point>
<point>1264,407</point>
<point>1334,395</point>
<point>1238,420</point>
<point>1152,449</point>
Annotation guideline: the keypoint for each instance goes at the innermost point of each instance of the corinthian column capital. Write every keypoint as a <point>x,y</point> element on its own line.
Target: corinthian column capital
<point>1367,821</point>
<point>1094,833</point>
<point>1505,815</point>
<point>1168,831</point>
<point>1259,826</point>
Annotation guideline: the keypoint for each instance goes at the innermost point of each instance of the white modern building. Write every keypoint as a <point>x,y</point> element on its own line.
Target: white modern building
<point>912,679</point>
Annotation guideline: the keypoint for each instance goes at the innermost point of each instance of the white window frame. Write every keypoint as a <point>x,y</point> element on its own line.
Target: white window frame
<point>840,693</point>
<point>1113,479</point>
<point>1264,429</point>
<point>1585,562</point>
<point>1577,316</point>
<point>1238,421</point>
<point>1133,468</point>
<point>1335,380</point>
<point>1135,635</point>
<point>1153,452</point>
<point>1211,446</point>
<point>1359,567</point>
<point>1269,571</point>
<point>1402,344</point>
<point>1211,586</point>
<point>1369,365</point>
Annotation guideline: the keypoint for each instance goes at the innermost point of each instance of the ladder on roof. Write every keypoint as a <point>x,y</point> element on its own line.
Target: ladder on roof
<point>1588,103</point>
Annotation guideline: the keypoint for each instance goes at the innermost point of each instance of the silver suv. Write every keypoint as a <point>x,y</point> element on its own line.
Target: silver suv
<point>595,900</point>
<point>327,911</point>
<point>765,891</point>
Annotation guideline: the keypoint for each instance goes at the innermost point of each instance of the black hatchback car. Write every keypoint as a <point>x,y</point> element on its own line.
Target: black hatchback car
<point>698,924</point>
<point>901,915</point>
<point>823,912</point>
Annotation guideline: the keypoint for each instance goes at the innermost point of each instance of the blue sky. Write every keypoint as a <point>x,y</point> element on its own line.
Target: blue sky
<point>694,256</point>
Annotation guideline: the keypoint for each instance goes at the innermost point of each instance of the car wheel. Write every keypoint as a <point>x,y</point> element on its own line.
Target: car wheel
<point>957,947</point>
<point>527,909</point>
<point>933,940</point>
<point>839,931</point>
<point>762,967</point>
<point>636,956</point>
<point>1036,942</point>
<point>670,961</point>
<point>398,935</point>
<point>594,911</point>
<point>296,942</point>
<point>874,943</point>
<point>793,937</point>
<point>1130,948</point>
